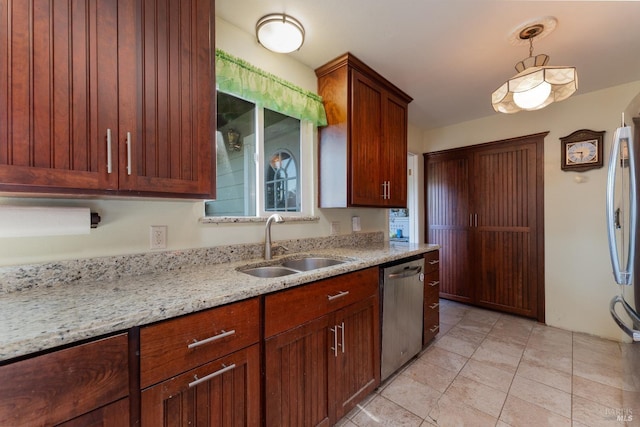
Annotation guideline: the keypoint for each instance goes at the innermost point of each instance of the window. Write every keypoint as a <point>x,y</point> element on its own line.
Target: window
<point>260,161</point>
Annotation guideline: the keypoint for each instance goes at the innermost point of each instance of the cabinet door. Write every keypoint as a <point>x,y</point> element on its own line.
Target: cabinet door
<point>58,71</point>
<point>366,175</point>
<point>59,386</point>
<point>449,219</point>
<point>225,392</point>
<point>167,86</point>
<point>505,235</point>
<point>115,414</point>
<point>356,372</point>
<point>296,376</point>
<point>395,151</point>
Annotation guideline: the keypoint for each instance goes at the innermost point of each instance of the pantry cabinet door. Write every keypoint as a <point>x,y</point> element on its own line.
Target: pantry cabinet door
<point>449,220</point>
<point>505,236</point>
<point>167,85</point>
<point>58,71</point>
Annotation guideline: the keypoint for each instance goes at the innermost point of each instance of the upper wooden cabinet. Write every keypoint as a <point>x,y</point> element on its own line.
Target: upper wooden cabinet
<point>107,97</point>
<point>363,149</point>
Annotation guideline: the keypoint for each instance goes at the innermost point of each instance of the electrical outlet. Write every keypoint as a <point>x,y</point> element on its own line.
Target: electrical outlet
<point>158,237</point>
<point>335,228</point>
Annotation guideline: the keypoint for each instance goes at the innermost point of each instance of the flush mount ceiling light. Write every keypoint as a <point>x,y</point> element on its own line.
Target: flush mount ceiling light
<point>537,84</point>
<point>280,33</point>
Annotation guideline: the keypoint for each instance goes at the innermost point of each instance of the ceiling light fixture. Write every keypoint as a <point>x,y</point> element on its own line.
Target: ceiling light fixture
<point>280,33</point>
<point>536,85</point>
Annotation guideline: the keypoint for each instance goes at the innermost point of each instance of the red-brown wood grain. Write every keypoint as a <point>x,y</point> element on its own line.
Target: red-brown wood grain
<point>59,386</point>
<point>485,207</point>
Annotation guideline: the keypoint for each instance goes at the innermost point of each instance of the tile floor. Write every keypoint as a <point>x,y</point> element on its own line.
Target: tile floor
<point>492,369</point>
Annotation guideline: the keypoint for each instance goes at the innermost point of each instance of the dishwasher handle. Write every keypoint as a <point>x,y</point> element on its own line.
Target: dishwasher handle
<point>407,272</point>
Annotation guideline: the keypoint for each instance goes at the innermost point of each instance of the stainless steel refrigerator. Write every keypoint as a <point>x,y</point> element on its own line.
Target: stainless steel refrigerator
<point>622,205</point>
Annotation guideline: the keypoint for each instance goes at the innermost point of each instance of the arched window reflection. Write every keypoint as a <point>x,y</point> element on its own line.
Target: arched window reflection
<point>281,183</point>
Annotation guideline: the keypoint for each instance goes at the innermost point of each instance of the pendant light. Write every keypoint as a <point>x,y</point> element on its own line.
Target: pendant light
<point>537,84</point>
<point>280,33</point>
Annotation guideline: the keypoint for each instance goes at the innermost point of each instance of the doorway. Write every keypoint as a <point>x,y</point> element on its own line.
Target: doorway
<point>403,223</point>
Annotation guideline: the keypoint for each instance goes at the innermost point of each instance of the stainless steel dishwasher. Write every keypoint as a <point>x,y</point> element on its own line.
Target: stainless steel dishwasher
<point>402,317</point>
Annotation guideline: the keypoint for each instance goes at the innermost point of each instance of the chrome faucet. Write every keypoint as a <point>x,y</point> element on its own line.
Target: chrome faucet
<point>267,234</point>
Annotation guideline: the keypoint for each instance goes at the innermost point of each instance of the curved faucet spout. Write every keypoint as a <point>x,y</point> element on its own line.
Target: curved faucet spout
<point>267,234</point>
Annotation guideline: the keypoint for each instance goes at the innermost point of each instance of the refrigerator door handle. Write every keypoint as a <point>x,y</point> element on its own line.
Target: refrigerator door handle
<point>622,277</point>
<point>633,333</point>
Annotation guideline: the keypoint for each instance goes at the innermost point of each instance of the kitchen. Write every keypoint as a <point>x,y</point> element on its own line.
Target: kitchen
<point>576,295</point>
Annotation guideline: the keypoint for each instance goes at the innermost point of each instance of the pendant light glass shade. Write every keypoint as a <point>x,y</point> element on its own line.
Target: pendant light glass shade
<point>280,33</point>
<point>537,84</point>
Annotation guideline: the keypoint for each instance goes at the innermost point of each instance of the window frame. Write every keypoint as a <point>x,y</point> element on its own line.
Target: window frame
<point>305,169</point>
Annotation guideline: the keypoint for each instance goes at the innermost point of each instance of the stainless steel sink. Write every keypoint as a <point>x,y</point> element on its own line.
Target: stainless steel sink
<point>311,263</point>
<point>269,271</point>
<point>291,266</point>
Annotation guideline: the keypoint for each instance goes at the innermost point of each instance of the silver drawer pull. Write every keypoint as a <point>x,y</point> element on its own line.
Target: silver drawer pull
<point>109,164</point>
<point>434,283</point>
<point>434,305</point>
<point>435,328</point>
<point>195,343</point>
<point>338,295</point>
<point>434,261</point>
<point>214,374</point>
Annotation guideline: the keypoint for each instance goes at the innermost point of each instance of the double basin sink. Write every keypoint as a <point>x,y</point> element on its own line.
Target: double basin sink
<point>291,266</point>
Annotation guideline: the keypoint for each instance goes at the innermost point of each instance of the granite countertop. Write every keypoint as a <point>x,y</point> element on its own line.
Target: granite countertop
<point>42,318</point>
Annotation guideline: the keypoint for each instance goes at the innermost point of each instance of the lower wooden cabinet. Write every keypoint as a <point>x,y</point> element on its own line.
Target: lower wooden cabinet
<point>202,369</point>
<point>356,363</point>
<point>225,392</point>
<point>431,309</point>
<point>317,371</point>
<point>85,385</point>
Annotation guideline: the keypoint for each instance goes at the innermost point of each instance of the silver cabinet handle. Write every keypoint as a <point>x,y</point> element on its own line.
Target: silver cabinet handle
<point>214,374</point>
<point>342,330</point>
<point>388,189</point>
<point>434,283</point>
<point>109,164</point>
<point>221,335</point>
<point>335,341</point>
<point>338,295</point>
<point>434,305</point>
<point>435,328</point>
<point>128,153</point>
<point>384,189</point>
<point>476,220</point>
<point>434,261</point>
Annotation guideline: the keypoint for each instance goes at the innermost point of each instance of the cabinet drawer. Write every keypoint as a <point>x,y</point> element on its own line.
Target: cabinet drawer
<point>432,286</point>
<point>178,345</point>
<point>431,261</point>
<point>431,326</point>
<point>223,392</point>
<point>55,387</point>
<point>290,308</point>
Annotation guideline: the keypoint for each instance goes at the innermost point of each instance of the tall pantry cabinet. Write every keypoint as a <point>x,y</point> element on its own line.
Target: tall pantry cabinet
<point>363,149</point>
<point>484,206</point>
<point>107,97</point>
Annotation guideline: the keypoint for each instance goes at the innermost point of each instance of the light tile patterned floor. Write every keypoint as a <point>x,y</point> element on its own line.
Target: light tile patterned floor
<point>492,369</point>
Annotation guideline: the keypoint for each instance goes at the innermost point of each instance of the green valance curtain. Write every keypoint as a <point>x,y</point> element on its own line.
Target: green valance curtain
<point>238,77</point>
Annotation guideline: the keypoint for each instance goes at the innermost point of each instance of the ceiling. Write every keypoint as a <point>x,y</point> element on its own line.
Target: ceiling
<point>450,55</point>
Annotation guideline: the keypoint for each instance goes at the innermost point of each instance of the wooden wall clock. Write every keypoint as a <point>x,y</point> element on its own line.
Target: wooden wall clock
<point>582,150</point>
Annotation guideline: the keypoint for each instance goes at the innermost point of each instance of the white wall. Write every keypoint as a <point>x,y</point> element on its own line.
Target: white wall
<point>125,222</point>
<point>579,283</point>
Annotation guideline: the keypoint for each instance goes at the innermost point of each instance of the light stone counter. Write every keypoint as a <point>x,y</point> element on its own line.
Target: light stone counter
<point>37,318</point>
